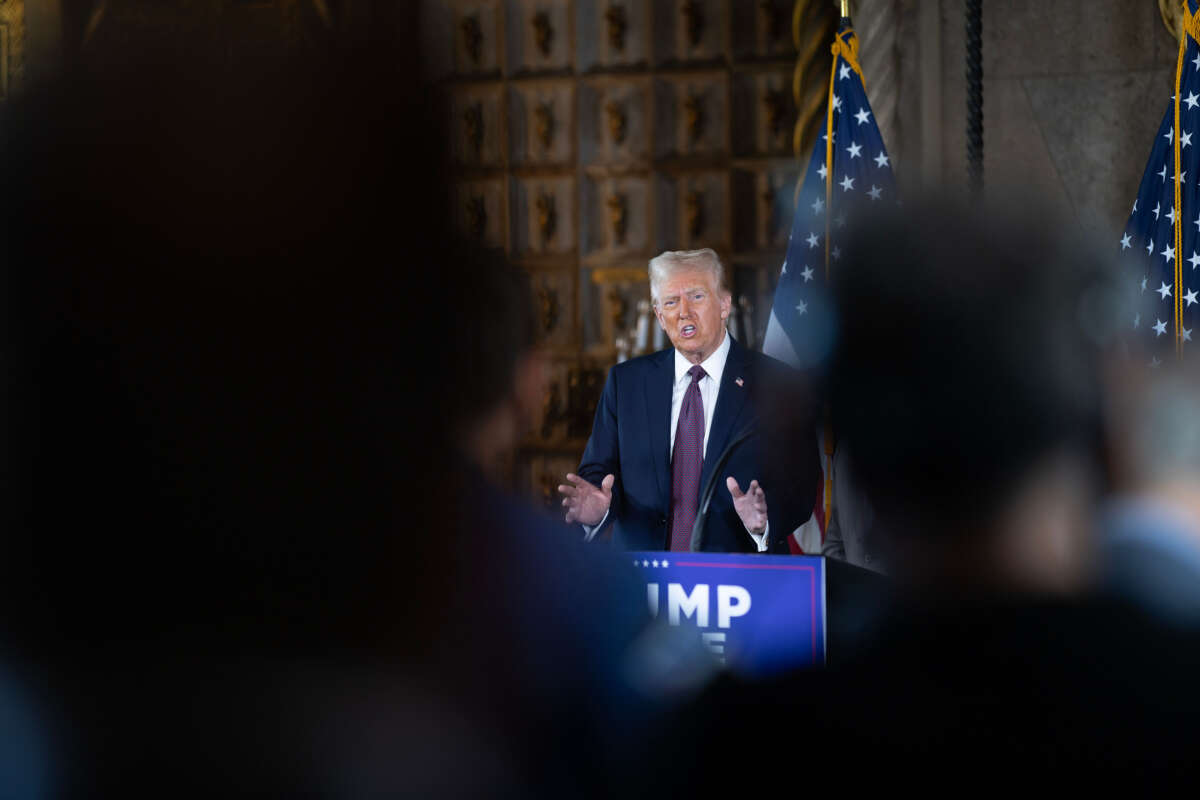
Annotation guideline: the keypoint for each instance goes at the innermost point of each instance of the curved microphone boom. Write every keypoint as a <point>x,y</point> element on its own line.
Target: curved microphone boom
<point>711,484</point>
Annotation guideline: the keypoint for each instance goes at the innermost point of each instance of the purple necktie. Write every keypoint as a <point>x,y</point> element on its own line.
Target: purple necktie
<point>686,462</point>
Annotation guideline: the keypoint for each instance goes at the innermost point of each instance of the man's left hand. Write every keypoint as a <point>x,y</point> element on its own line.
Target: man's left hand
<point>750,505</point>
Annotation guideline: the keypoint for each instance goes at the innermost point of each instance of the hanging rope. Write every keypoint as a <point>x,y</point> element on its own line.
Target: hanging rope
<point>975,94</point>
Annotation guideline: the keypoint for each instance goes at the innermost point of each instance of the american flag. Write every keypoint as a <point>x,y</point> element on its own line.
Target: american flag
<point>1163,231</point>
<point>849,171</point>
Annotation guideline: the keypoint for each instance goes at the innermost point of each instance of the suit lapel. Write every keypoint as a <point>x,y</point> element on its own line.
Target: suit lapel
<point>658,421</point>
<point>730,399</point>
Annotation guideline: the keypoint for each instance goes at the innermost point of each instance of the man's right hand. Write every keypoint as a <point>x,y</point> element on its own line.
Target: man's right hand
<point>586,503</point>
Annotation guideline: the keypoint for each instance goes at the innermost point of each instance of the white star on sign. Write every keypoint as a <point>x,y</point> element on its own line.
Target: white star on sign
<point>807,273</point>
<point>803,307</point>
<point>1160,328</point>
<point>881,161</point>
<point>1185,139</point>
<point>823,172</point>
<point>665,564</point>
<point>875,192</point>
<point>844,72</point>
<point>645,563</point>
<point>1191,99</point>
<point>1171,215</point>
<point>812,240</point>
<point>847,184</point>
<point>1125,242</point>
<point>817,205</point>
<point>655,562</point>
<point>862,116</point>
<point>1168,254</point>
<point>854,150</point>
<point>1164,291</point>
<point>1190,297</point>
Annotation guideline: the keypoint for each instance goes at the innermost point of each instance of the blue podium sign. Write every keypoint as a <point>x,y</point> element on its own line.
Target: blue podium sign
<point>758,614</point>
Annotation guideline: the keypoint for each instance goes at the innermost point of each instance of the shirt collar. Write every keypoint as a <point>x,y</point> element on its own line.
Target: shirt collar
<point>714,365</point>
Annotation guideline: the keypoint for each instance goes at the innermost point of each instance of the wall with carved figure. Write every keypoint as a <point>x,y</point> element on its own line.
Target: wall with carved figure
<point>590,135</point>
<point>12,45</point>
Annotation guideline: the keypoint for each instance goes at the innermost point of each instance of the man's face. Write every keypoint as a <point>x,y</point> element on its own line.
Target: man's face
<point>692,310</point>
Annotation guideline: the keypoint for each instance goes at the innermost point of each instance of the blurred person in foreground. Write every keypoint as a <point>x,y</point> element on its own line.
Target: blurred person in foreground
<point>666,419</point>
<point>250,539</point>
<point>1150,526</point>
<point>966,382</point>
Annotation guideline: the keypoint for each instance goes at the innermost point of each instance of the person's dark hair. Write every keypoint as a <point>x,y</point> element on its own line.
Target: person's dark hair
<point>968,348</point>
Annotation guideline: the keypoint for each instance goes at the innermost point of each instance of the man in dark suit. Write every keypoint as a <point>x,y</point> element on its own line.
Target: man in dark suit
<point>665,421</point>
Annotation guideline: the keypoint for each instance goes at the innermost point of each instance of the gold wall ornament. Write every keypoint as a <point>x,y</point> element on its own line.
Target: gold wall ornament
<point>693,21</point>
<point>775,101</point>
<point>771,214</point>
<point>12,46</point>
<point>543,33</point>
<point>618,217</point>
<point>617,23</point>
<point>472,35</point>
<point>1172,16</point>
<point>476,216</point>
<point>548,308</point>
<point>547,217</point>
<point>543,124</point>
<point>614,112</point>
<point>693,213</point>
<point>473,121</point>
<point>618,307</point>
<point>693,108</point>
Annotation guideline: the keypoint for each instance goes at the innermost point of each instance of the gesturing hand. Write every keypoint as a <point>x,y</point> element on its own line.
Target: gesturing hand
<point>586,503</point>
<point>750,505</point>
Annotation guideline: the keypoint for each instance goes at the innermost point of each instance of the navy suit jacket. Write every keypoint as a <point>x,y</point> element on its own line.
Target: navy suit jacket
<point>631,439</point>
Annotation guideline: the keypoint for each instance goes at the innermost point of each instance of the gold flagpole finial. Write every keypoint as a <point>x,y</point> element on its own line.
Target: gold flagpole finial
<point>845,8</point>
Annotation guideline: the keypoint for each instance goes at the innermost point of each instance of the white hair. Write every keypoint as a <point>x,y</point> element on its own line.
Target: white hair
<point>662,265</point>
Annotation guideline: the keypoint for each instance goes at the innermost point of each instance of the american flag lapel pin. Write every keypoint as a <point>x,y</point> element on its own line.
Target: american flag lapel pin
<point>738,381</point>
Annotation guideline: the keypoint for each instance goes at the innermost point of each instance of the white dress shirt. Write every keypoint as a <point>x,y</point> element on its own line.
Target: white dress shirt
<point>710,386</point>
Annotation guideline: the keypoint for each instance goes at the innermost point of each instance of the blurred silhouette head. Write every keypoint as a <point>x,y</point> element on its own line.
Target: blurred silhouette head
<point>965,382</point>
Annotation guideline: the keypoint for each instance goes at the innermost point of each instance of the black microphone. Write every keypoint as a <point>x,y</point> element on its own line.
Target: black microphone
<point>707,492</point>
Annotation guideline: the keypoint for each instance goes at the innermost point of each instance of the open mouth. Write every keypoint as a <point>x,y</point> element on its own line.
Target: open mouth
<point>688,331</point>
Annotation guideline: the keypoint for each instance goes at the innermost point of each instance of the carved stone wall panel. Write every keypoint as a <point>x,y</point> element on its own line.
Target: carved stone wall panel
<point>762,29</point>
<point>691,115</point>
<point>691,31</point>
<point>763,202</point>
<point>619,34</point>
<point>694,209</point>
<point>614,121</point>
<point>543,216</point>
<point>479,210</point>
<point>617,217</point>
<point>608,303</point>
<point>762,102</point>
<point>538,36</point>
<point>541,122</point>
<point>554,301</point>
<point>12,46</point>
<point>476,122</point>
<point>473,31</point>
